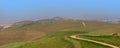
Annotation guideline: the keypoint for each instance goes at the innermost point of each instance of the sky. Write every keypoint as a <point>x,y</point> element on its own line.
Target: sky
<point>12,11</point>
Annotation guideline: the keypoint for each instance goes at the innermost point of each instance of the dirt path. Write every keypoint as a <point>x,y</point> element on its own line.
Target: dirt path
<point>106,44</point>
<point>75,42</point>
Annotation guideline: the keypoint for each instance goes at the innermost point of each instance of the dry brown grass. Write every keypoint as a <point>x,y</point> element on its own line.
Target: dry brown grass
<point>37,30</point>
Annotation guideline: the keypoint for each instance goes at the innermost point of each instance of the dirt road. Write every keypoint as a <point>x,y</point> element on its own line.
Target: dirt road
<point>102,43</point>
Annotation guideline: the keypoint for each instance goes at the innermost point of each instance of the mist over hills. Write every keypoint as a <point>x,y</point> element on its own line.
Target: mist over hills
<point>117,20</point>
<point>49,19</point>
<point>40,21</point>
<point>56,20</point>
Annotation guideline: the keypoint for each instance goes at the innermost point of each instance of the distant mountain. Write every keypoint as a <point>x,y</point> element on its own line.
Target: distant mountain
<point>115,21</point>
<point>22,23</point>
<point>51,20</point>
<point>57,18</point>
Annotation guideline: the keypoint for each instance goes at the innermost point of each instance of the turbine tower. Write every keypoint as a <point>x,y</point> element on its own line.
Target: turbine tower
<point>83,23</point>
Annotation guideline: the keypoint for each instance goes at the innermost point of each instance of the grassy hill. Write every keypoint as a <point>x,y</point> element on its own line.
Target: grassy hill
<point>32,31</point>
<point>57,40</point>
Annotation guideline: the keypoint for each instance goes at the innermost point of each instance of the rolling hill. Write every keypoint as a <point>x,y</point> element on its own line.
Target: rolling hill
<point>46,32</point>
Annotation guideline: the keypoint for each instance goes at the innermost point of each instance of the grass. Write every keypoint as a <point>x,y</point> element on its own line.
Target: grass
<point>114,40</point>
<point>86,44</point>
<point>74,42</point>
<point>30,31</point>
<point>64,33</point>
<point>57,40</point>
<point>53,40</point>
<point>12,45</point>
<point>49,43</point>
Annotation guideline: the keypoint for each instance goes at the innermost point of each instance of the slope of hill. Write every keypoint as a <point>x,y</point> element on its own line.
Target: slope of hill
<point>57,40</point>
<point>21,23</point>
<point>29,30</point>
<point>1,27</point>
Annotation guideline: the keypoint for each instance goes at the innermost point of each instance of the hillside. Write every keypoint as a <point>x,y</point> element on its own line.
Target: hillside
<point>34,30</point>
<point>59,39</point>
<point>1,27</point>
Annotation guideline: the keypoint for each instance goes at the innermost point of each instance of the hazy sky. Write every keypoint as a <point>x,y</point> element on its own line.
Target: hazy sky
<point>18,10</point>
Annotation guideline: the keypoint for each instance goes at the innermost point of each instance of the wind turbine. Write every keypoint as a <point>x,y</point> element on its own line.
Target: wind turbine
<point>83,22</point>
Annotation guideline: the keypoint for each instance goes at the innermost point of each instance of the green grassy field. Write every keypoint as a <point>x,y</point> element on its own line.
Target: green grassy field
<point>56,40</point>
<point>86,44</point>
<point>64,33</point>
<point>53,40</point>
<point>48,43</point>
<point>114,40</point>
<point>12,45</point>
